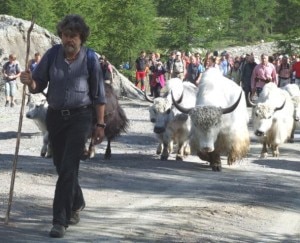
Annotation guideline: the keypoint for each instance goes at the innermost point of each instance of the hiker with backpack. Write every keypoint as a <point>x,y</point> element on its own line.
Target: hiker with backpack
<point>141,64</point>
<point>178,67</point>
<point>75,91</point>
<point>235,73</point>
<point>284,72</point>
<point>11,71</point>
<point>194,71</point>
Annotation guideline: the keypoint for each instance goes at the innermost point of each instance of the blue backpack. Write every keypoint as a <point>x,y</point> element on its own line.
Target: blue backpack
<point>90,66</point>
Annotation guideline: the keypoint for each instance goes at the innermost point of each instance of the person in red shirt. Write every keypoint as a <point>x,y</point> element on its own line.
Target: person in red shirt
<point>296,69</point>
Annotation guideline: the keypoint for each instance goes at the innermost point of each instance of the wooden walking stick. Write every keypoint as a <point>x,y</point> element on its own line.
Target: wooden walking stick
<point>13,175</point>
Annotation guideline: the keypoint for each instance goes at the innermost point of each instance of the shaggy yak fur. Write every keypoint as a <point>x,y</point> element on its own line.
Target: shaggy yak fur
<point>273,118</point>
<point>116,123</point>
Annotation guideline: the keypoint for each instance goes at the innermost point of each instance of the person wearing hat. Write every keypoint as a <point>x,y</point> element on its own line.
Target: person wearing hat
<point>284,72</point>
<point>178,69</point>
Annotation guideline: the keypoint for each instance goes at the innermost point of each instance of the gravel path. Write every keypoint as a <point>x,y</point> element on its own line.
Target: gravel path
<point>135,197</point>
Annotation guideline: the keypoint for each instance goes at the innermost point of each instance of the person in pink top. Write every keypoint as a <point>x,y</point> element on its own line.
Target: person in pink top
<point>158,79</point>
<point>263,73</point>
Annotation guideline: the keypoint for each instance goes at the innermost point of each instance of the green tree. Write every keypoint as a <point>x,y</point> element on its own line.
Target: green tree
<point>287,23</point>
<point>42,10</point>
<point>194,23</point>
<point>129,27</point>
<point>252,19</point>
<point>91,11</point>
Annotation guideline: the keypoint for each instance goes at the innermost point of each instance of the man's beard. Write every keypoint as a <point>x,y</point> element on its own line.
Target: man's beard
<point>70,49</point>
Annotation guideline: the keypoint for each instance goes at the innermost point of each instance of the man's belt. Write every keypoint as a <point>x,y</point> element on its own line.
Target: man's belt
<point>69,112</point>
<point>262,80</point>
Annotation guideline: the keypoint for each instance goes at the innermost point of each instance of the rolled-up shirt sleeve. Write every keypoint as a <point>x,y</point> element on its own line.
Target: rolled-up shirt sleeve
<point>41,74</point>
<point>97,77</point>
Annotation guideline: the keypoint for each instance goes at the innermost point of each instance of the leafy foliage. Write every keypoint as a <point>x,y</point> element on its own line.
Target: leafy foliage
<point>121,29</point>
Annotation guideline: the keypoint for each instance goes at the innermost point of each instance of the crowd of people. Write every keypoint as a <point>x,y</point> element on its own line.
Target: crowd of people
<point>244,70</point>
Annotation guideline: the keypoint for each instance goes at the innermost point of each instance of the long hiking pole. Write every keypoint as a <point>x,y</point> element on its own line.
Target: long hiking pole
<point>14,168</point>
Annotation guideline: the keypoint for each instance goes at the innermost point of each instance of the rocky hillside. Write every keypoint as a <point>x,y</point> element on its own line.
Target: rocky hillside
<point>13,36</point>
<point>258,49</point>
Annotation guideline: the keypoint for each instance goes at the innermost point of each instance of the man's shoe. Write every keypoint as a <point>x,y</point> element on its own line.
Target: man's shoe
<point>12,104</point>
<point>57,231</point>
<point>6,103</point>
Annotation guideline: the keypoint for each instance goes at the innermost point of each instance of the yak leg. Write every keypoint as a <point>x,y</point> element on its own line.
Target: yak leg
<point>88,152</point>
<point>231,159</point>
<point>171,146</point>
<point>213,158</point>
<point>275,150</point>
<point>91,151</point>
<point>49,150</point>
<point>215,161</point>
<point>203,155</point>
<point>44,147</point>
<point>108,150</point>
<point>264,151</point>
<point>159,148</point>
<point>291,138</point>
<point>187,149</point>
<point>183,150</point>
<point>179,155</point>
<point>165,152</point>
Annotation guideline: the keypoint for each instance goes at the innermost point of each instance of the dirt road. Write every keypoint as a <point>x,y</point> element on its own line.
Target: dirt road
<point>135,197</point>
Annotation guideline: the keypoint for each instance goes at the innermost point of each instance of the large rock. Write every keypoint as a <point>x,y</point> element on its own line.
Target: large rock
<point>13,36</point>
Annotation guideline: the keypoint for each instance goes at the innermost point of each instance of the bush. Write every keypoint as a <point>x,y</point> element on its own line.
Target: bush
<point>130,74</point>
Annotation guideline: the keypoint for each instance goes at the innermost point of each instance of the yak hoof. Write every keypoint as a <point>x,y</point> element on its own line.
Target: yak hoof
<point>217,168</point>
<point>107,156</point>
<point>179,158</point>
<point>291,140</point>
<point>43,154</point>
<point>263,155</point>
<point>164,157</point>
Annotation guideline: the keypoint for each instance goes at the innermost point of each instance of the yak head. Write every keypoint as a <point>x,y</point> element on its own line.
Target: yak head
<point>263,117</point>
<point>37,110</point>
<point>160,114</point>
<point>206,123</point>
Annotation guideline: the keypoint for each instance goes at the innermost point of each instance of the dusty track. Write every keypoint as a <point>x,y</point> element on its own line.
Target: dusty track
<point>135,197</point>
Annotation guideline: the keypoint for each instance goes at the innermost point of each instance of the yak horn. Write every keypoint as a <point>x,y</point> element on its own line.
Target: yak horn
<point>179,107</point>
<point>231,108</point>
